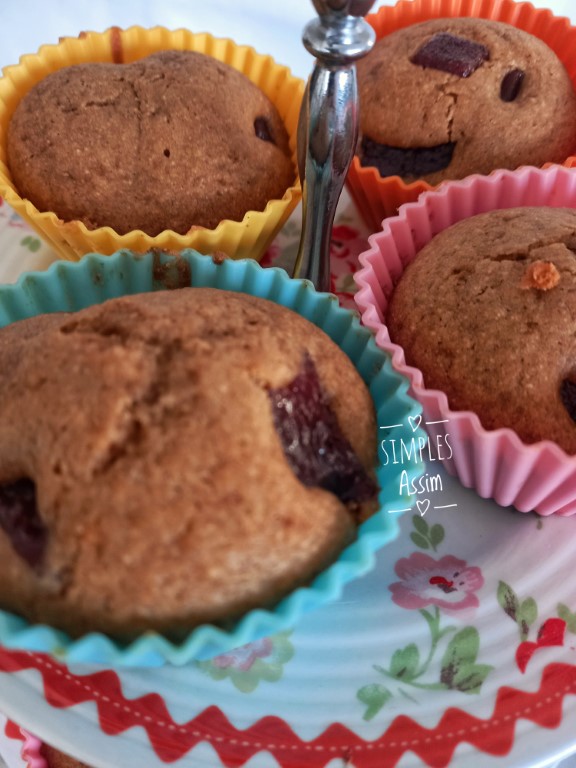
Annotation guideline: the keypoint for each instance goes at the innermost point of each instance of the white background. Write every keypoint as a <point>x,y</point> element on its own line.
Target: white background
<point>27,24</point>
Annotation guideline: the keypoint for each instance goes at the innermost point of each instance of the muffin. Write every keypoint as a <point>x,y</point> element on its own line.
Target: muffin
<point>444,124</point>
<point>56,759</point>
<point>173,459</point>
<point>148,138</point>
<point>516,287</point>
<point>450,97</point>
<point>147,146</point>
<point>494,326</point>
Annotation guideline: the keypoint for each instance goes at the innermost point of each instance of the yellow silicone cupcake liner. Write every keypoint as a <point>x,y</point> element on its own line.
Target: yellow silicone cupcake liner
<point>378,197</point>
<point>248,238</point>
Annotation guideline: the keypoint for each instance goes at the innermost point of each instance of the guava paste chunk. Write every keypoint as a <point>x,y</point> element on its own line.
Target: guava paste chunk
<point>262,129</point>
<point>20,520</point>
<point>568,397</point>
<point>449,53</point>
<point>313,443</point>
<point>411,162</point>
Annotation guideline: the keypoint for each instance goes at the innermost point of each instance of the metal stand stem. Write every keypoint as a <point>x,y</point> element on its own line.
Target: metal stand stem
<point>328,126</point>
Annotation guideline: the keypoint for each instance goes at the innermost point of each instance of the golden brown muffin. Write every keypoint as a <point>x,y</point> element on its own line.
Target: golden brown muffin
<point>57,759</point>
<point>453,96</point>
<point>487,311</point>
<point>175,458</point>
<point>172,141</point>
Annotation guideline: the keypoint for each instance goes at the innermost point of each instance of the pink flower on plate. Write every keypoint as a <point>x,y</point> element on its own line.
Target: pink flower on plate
<point>447,583</point>
<point>244,657</point>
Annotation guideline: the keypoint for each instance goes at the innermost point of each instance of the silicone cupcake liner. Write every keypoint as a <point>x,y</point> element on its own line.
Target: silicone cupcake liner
<point>496,463</point>
<point>69,287</point>
<point>377,197</point>
<point>31,751</point>
<point>248,238</point>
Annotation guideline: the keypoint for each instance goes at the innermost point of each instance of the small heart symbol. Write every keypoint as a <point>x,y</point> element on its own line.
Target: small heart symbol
<point>423,506</point>
<point>415,422</point>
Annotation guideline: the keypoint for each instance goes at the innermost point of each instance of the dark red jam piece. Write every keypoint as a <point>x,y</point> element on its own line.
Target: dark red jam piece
<point>452,54</point>
<point>568,397</point>
<point>20,521</point>
<point>318,452</point>
<point>408,163</point>
<point>511,84</point>
<point>262,129</point>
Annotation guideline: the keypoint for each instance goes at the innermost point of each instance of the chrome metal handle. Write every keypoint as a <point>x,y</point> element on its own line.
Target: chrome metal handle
<point>328,125</point>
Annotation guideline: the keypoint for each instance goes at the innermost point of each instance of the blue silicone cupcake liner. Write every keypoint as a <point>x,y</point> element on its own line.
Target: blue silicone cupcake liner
<point>73,286</point>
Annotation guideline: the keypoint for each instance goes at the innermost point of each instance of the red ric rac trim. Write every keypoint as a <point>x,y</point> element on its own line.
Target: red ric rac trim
<point>171,740</point>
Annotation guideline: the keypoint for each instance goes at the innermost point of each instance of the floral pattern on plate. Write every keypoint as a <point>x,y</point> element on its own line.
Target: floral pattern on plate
<point>253,663</point>
<point>433,587</point>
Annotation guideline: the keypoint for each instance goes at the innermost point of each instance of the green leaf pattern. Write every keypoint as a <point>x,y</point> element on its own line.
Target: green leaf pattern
<point>570,618</point>
<point>459,669</point>
<point>436,535</point>
<point>32,243</point>
<point>404,664</point>
<point>524,613</point>
<point>419,540</point>
<point>420,524</point>
<point>374,697</point>
<point>424,536</point>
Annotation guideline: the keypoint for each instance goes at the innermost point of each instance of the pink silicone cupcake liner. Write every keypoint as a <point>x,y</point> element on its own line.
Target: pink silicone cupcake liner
<point>538,477</point>
<point>32,751</point>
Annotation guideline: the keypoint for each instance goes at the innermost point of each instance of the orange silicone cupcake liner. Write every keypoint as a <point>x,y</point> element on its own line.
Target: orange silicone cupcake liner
<point>248,238</point>
<point>377,197</point>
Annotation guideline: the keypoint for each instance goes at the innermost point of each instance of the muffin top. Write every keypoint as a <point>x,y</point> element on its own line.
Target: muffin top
<point>175,458</point>
<point>172,141</point>
<point>487,311</point>
<point>453,96</point>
